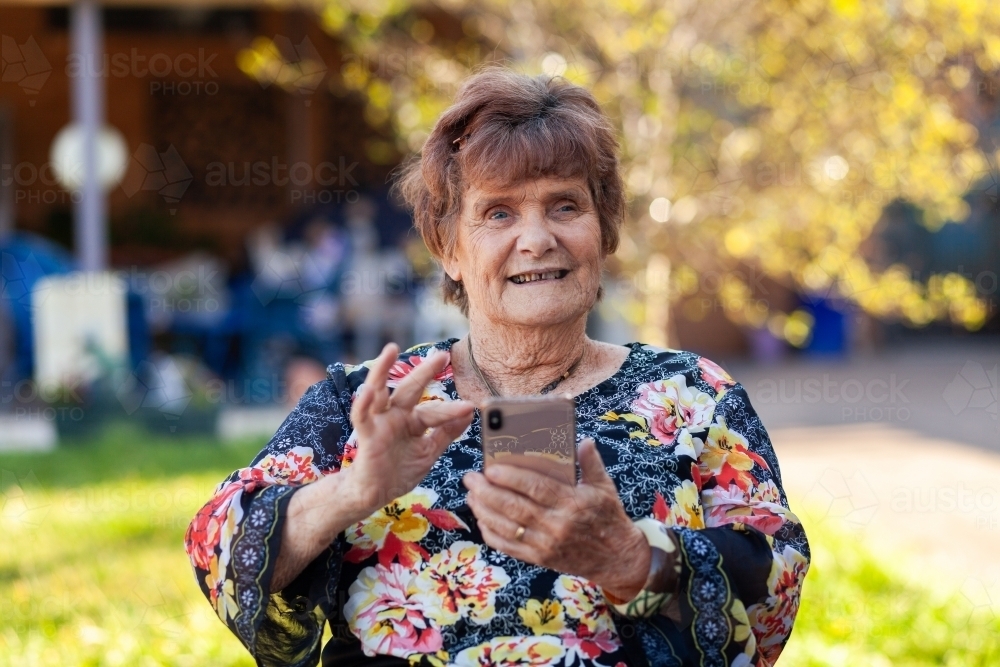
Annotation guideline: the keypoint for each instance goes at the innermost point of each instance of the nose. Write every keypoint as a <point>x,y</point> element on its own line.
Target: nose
<point>536,237</point>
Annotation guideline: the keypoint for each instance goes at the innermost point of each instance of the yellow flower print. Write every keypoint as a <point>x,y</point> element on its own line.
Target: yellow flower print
<point>439,659</point>
<point>611,416</point>
<point>727,456</point>
<point>767,492</point>
<point>772,619</point>
<point>395,530</point>
<point>687,510</point>
<point>459,583</point>
<point>725,447</point>
<point>292,467</point>
<point>511,651</point>
<point>739,613</point>
<point>543,617</point>
<point>784,580</point>
<point>584,602</point>
<point>741,632</point>
<point>221,591</point>
<point>636,426</point>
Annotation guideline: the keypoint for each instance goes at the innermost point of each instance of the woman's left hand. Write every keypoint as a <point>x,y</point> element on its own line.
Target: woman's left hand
<point>579,529</point>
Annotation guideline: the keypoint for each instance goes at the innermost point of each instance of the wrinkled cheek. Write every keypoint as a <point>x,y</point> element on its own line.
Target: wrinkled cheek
<point>495,299</point>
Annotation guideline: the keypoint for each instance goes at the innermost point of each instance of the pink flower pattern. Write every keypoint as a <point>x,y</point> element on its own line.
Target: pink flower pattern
<point>386,615</point>
<point>421,585</point>
<point>713,374</point>
<point>670,405</point>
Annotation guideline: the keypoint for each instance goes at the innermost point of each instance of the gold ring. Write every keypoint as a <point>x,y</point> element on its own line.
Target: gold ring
<point>519,533</point>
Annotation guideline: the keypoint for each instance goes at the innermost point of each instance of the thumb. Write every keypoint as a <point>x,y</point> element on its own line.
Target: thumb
<point>592,466</point>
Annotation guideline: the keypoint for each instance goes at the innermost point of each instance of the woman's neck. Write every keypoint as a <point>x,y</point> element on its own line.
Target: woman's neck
<point>522,360</point>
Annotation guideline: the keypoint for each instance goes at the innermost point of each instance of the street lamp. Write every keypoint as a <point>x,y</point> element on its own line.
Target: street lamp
<point>68,158</point>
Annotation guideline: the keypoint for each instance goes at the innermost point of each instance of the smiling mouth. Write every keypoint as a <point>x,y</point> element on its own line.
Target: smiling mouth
<point>523,278</point>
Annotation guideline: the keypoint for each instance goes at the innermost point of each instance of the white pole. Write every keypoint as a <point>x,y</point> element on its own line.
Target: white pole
<point>6,229</point>
<point>90,226</point>
<point>6,187</point>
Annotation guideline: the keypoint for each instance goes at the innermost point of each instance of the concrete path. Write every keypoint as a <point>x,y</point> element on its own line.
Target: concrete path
<point>902,449</point>
<point>940,390</point>
<point>933,503</point>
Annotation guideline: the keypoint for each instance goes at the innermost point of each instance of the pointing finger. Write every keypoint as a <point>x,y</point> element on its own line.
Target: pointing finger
<point>375,380</point>
<point>361,405</point>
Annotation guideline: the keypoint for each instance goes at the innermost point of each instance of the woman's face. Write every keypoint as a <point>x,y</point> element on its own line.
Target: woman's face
<point>529,254</point>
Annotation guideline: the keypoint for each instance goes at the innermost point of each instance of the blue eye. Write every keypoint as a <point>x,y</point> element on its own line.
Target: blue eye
<point>494,215</point>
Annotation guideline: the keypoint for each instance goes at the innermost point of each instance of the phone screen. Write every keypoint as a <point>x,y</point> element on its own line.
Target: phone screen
<point>538,433</point>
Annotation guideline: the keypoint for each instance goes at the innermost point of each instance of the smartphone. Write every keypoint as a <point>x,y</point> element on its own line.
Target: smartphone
<point>534,432</point>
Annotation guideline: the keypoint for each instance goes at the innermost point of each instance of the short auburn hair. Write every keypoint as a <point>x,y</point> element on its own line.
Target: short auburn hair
<point>505,128</point>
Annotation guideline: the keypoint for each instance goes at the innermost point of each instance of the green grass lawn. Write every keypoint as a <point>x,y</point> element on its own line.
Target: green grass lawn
<point>93,572</point>
<point>858,611</point>
<point>92,566</point>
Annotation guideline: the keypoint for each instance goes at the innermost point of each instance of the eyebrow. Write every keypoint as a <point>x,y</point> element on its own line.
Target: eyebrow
<point>576,194</point>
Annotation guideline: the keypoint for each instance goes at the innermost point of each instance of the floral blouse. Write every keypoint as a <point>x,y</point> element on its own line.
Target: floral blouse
<point>414,582</point>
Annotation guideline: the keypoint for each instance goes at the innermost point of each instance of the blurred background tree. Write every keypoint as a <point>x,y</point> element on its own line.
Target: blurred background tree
<point>760,139</point>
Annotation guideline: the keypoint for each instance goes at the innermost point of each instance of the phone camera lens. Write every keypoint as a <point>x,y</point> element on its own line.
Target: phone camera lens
<point>495,419</point>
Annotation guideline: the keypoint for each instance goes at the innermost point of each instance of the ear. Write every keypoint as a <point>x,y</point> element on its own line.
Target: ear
<point>450,249</point>
<point>450,265</point>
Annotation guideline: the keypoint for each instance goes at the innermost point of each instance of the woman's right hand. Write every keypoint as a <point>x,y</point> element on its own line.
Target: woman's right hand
<point>398,440</point>
<point>398,437</point>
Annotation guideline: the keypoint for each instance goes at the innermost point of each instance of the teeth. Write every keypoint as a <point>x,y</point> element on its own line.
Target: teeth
<point>531,277</point>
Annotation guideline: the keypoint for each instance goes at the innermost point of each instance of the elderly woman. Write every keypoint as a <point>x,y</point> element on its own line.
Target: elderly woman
<point>368,510</point>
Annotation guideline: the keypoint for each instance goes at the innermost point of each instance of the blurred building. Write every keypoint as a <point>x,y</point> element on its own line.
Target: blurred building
<point>213,153</point>
<point>220,155</point>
